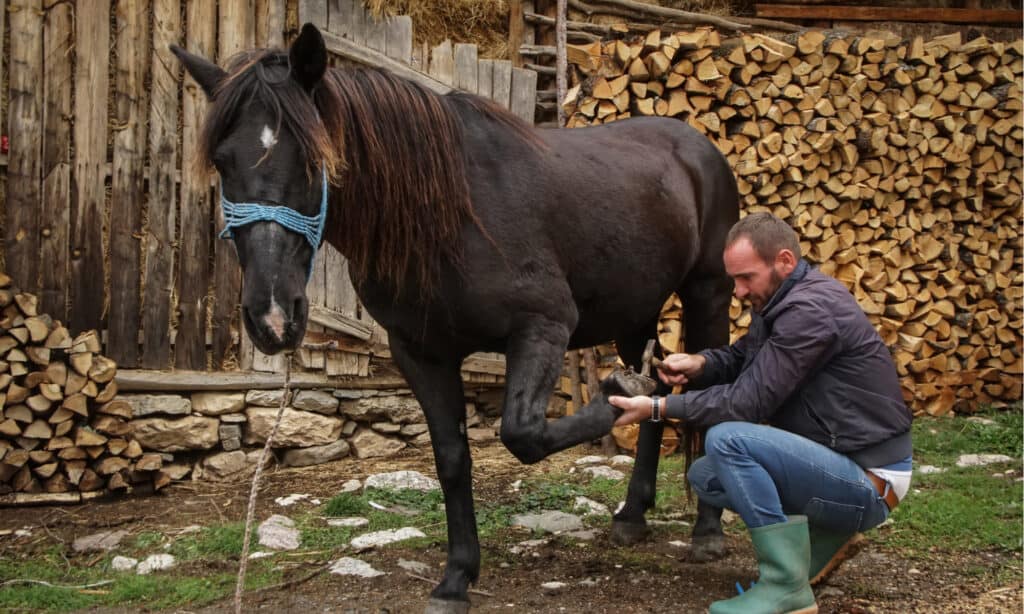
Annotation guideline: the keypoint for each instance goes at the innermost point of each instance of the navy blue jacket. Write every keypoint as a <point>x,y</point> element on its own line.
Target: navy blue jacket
<point>811,364</point>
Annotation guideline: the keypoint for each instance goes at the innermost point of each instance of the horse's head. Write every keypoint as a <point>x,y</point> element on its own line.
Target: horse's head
<point>265,139</point>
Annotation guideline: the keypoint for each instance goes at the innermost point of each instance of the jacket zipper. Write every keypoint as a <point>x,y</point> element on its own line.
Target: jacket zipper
<point>821,423</point>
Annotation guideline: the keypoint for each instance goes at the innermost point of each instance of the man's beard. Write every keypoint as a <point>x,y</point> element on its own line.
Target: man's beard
<point>776,283</point>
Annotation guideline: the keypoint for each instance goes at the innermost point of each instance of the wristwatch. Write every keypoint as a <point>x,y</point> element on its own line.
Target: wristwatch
<point>655,408</point>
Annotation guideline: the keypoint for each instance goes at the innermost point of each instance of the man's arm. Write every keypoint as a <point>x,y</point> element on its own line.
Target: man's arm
<point>802,339</point>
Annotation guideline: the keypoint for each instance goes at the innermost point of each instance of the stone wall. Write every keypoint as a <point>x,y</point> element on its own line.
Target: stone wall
<point>216,435</point>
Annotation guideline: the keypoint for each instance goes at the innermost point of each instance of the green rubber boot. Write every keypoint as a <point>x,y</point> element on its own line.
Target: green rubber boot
<point>783,556</point>
<point>829,550</point>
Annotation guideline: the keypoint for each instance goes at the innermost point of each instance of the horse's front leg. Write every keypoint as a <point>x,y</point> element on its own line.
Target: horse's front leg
<point>534,356</point>
<point>437,384</point>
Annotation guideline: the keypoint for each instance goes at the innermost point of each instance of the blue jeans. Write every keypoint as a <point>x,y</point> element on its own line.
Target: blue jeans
<point>764,473</point>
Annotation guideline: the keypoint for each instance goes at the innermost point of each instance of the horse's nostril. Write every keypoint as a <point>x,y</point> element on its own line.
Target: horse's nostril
<point>296,310</point>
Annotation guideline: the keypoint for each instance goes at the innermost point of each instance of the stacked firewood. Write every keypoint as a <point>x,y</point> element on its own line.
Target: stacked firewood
<point>62,429</point>
<point>899,162</point>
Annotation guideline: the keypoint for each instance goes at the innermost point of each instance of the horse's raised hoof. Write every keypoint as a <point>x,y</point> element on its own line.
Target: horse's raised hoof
<point>446,606</point>
<point>628,383</point>
<point>707,548</point>
<point>629,533</point>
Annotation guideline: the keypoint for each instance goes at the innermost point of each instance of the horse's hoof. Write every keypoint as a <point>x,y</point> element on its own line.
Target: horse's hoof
<point>627,383</point>
<point>629,533</point>
<point>446,606</point>
<point>707,548</point>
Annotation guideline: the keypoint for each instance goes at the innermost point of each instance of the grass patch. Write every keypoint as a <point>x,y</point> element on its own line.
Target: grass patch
<point>964,508</point>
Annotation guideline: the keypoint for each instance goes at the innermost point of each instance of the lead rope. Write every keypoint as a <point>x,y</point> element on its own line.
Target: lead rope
<point>240,586</point>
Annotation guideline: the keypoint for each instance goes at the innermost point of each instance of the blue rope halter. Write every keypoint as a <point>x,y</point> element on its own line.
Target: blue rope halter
<point>240,214</point>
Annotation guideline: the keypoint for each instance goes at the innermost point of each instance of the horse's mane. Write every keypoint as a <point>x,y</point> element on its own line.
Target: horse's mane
<point>393,151</point>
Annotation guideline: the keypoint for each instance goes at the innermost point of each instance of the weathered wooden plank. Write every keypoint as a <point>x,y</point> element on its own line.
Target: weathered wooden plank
<point>3,59</point>
<point>126,185</point>
<point>270,23</point>
<point>350,51</point>
<point>889,13</point>
<point>466,70</point>
<point>314,12</point>
<point>442,63</point>
<point>55,213</point>
<point>158,241</point>
<point>135,380</point>
<point>524,93</point>
<point>399,39</point>
<point>501,83</point>
<point>339,15</point>
<point>24,162</point>
<point>357,21</point>
<point>196,202</point>
<point>236,32</point>
<point>341,305</point>
<point>484,78</point>
<point>516,30</point>
<point>376,32</point>
<point>92,53</point>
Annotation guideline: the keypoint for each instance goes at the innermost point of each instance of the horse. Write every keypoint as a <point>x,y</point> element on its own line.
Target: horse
<point>466,229</point>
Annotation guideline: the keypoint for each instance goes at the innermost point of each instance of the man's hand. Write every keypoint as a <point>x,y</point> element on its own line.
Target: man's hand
<point>634,409</point>
<point>678,369</point>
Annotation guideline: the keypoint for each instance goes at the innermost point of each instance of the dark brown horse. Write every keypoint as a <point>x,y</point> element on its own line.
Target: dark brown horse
<point>467,230</point>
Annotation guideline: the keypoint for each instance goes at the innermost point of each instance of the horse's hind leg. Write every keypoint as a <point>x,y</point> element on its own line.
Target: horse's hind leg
<point>629,525</point>
<point>706,313</point>
<point>437,383</point>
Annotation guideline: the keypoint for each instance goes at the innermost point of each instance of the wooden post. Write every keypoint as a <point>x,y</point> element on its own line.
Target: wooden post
<point>516,26</point>
<point>92,56</point>
<point>58,42</point>
<point>560,62</point>
<point>25,157</point>
<point>574,382</point>
<point>163,154</point>
<point>196,202</point>
<point>126,192</point>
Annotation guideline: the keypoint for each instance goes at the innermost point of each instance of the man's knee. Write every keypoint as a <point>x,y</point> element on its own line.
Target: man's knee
<point>722,437</point>
<point>700,474</point>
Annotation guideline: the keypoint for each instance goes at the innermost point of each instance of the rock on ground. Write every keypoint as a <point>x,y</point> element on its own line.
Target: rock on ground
<point>348,566</point>
<point>155,562</point>
<point>381,538</point>
<point>551,522</point>
<point>278,533</point>
<point>977,460</point>
<point>107,540</point>
<point>402,480</point>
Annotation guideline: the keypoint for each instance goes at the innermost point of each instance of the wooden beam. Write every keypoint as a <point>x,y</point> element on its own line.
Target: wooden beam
<point>885,13</point>
<point>339,322</point>
<point>350,51</point>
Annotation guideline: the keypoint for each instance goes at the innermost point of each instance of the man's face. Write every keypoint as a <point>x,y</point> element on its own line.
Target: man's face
<point>755,280</point>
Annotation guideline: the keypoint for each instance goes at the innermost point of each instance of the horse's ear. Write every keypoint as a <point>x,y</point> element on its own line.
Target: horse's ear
<point>308,57</point>
<point>207,74</point>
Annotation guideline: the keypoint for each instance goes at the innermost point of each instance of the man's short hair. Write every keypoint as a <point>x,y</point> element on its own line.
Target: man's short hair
<point>767,234</point>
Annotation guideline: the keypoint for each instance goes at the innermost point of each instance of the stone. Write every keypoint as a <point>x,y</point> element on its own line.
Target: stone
<point>232,418</point>
<point>415,567</point>
<point>368,444</point>
<point>591,460</point>
<point>729,517</point>
<point>584,535</point>
<point>149,404</point>
<point>553,588</point>
<point>278,533</point>
<point>423,439</point>
<point>264,398</point>
<point>155,562</point>
<point>177,435</point>
<point>400,409</point>
<point>293,499</point>
<point>123,563</point>
<point>386,428</point>
<point>976,460</point>
<point>607,473</point>
<point>526,546</point>
<point>981,421</point>
<point>352,521</point>
<point>217,403</point>
<point>298,429</point>
<point>621,459</point>
<point>349,427</point>
<point>105,540</point>
<point>315,455</point>
<point>382,538</point>
<point>230,436</point>
<point>177,471</point>
<point>929,469</point>
<point>349,394</point>
<point>402,480</point>
<point>351,486</point>
<point>411,430</point>
<point>480,435</point>
<point>550,522</point>
<point>317,401</point>
<point>473,420</point>
<point>348,566</point>
<point>590,507</point>
<point>260,554</point>
<point>224,465</point>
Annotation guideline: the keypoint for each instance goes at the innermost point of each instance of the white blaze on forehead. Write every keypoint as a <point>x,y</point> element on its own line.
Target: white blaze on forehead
<point>267,138</point>
<point>275,319</point>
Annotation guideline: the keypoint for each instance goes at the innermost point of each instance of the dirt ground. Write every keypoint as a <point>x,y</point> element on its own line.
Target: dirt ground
<point>600,577</point>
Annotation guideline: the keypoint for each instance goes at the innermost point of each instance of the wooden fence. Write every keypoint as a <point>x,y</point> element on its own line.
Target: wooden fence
<point>103,219</point>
